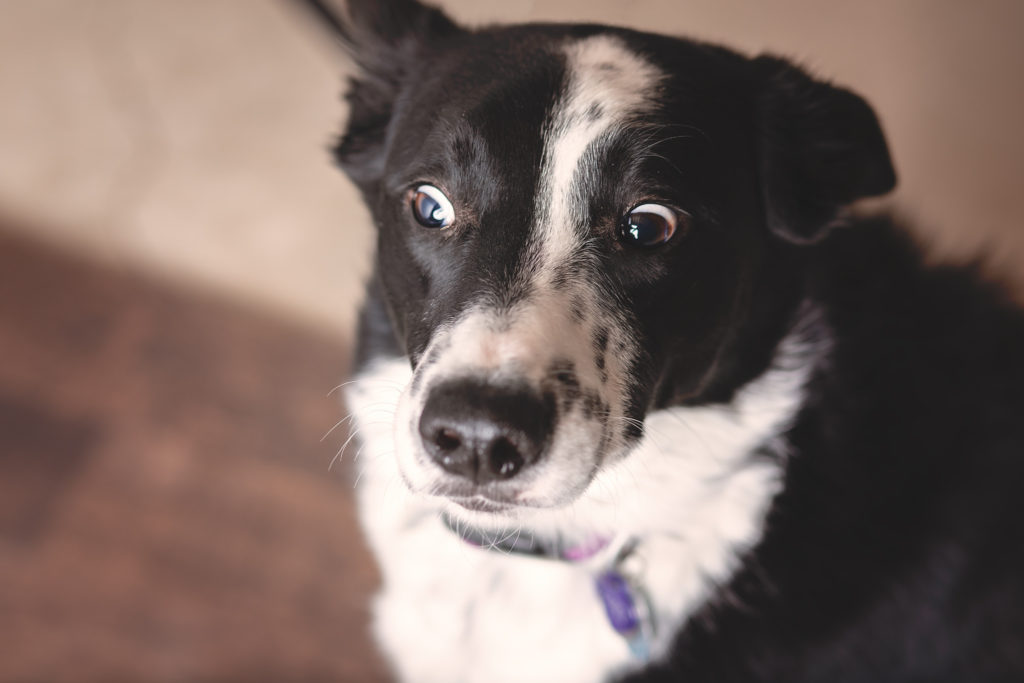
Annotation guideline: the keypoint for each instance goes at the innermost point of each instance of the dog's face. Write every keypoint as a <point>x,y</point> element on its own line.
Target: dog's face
<point>577,226</point>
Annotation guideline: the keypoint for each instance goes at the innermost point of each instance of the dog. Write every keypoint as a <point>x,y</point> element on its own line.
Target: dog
<point>639,398</point>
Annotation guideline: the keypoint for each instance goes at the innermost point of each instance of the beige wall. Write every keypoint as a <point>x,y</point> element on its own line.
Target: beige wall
<point>187,138</point>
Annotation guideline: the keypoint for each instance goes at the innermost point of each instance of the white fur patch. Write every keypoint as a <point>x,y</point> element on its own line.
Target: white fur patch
<point>690,493</point>
<point>604,75</point>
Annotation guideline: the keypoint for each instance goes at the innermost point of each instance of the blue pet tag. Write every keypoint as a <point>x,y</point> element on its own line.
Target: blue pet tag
<point>628,611</point>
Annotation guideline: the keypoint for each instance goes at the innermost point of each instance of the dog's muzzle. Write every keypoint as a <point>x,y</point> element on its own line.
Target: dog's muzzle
<point>484,433</point>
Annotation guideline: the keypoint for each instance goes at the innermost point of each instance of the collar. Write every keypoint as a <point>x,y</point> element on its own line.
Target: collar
<point>622,594</point>
<point>520,543</point>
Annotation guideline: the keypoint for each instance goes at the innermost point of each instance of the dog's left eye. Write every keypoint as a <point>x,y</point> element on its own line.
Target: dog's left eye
<point>430,207</point>
<point>648,225</point>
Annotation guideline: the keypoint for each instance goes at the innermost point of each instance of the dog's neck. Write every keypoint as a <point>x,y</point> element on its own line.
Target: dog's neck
<point>620,589</point>
<point>530,545</point>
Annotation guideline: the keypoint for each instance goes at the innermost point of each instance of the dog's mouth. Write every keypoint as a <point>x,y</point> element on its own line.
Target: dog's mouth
<point>487,499</point>
<point>481,504</point>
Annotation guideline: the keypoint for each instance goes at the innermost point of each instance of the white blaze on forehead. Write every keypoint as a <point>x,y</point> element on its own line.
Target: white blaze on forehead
<point>607,85</point>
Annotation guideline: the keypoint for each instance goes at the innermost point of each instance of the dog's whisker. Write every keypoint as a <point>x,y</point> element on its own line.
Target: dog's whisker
<point>359,477</point>
<point>397,387</point>
<point>337,424</point>
<point>342,386</point>
<point>359,452</point>
<point>368,409</point>
<point>341,451</point>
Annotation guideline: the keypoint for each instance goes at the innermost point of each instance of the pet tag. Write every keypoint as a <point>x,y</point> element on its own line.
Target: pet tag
<point>628,611</point>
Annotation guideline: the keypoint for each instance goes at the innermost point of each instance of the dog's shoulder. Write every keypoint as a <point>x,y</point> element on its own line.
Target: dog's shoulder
<point>901,486</point>
<point>918,328</point>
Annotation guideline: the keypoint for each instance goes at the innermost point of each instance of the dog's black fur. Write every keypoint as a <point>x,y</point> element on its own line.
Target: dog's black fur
<point>895,551</point>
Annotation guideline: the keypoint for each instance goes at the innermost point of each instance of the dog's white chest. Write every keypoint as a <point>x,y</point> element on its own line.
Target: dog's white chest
<point>453,613</point>
<point>450,612</point>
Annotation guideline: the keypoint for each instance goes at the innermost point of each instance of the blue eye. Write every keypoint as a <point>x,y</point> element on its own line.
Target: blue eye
<point>648,225</point>
<point>431,208</point>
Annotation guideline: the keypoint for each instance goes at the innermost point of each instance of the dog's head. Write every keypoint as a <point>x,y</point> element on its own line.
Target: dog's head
<point>578,225</point>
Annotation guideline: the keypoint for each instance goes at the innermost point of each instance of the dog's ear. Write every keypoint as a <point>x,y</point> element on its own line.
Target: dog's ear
<point>820,147</point>
<point>386,39</point>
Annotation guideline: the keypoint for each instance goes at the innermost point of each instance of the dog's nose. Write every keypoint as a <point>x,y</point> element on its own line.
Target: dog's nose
<point>482,432</point>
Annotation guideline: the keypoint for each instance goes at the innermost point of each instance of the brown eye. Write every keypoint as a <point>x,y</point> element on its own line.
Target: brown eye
<point>648,225</point>
<point>431,208</point>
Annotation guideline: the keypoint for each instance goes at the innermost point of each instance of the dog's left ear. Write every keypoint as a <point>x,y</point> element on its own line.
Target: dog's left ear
<point>388,40</point>
<point>820,148</point>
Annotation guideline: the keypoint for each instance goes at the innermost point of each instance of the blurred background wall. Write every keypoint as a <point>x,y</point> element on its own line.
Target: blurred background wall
<point>180,265</point>
<point>188,138</point>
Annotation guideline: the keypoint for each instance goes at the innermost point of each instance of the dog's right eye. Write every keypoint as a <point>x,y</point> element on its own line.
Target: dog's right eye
<point>430,207</point>
<point>648,225</point>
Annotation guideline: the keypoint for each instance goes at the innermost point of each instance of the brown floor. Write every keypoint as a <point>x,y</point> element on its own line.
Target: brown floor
<point>166,508</point>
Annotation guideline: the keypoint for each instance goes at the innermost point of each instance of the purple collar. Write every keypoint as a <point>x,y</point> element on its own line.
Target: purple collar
<point>625,601</point>
<point>526,543</point>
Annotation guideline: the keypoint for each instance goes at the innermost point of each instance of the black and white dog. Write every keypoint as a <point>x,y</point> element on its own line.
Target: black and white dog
<point>631,405</point>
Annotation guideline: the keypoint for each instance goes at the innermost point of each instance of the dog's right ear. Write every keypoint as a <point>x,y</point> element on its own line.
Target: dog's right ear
<point>385,39</point>
<point>820,147</point>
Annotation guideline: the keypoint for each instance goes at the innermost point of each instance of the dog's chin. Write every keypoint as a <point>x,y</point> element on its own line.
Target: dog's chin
<point>479,504</point>
<point>483,513</point>
<point>485,503</point>
<point>508,500</point>
<point>499,507</point>
<point>486,509</point>
<point>490,512</point>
